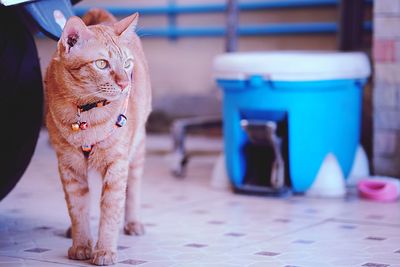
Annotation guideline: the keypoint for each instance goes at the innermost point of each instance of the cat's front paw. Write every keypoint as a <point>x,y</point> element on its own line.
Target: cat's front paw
<point>80,252</point>
<point>134,228</point>
<point>104,257</point>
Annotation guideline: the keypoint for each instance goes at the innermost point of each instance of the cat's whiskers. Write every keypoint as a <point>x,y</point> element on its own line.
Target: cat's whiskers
<point>110,92</point>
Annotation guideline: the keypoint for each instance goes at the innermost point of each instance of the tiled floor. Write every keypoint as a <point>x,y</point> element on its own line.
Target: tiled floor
<point>190,224</point>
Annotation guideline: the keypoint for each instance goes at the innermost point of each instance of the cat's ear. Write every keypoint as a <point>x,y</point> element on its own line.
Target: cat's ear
<point>127,25</point>
<point>75,33</point>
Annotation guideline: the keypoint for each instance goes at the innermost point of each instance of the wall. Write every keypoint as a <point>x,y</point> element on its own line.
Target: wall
<point>181,69</point>
<point>386,47</point>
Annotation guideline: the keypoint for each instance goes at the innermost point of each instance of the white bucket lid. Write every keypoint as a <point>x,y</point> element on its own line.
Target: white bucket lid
<point>292,65</point>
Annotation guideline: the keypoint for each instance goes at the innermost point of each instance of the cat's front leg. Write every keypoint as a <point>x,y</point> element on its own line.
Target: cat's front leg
<point>75,184</point>
<point>133,224</point>
<point>112,203</point>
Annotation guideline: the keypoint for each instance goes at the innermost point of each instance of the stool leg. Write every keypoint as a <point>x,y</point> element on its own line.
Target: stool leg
<point>179,157</point>
<point>179,129</point>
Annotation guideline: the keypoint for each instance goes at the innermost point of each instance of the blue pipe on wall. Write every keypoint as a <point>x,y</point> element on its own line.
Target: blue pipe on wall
<point>249,30</point>
<point>271,29</point>
<point>211,8</point>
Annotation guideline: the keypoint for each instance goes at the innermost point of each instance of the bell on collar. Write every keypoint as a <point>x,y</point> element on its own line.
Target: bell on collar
<point>121,121</point>
<point>83,125</point>
<point>75,126</point>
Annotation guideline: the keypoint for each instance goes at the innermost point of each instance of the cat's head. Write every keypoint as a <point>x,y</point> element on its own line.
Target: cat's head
<point>98,60</point>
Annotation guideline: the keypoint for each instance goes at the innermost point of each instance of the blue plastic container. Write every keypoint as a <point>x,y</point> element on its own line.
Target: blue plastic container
<point>319,94</point>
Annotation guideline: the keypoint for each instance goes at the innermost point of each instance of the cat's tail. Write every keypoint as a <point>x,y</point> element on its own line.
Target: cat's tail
<point>98,16</point>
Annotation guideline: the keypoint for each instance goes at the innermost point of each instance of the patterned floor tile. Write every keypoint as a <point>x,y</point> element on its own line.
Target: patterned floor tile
<point>189,223</point>
<point>133,262</point>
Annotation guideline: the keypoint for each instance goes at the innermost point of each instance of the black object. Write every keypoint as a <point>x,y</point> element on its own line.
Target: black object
<point>21,98</point>
<point>351,30</point>
<point>259,163</point>
<point>266,158</point>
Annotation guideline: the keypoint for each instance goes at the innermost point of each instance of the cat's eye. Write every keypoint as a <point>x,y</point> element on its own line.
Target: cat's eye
<point>101,64</point>
<point>128,63</point>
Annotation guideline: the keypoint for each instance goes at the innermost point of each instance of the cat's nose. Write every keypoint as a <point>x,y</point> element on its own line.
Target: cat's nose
<point>123,84</point>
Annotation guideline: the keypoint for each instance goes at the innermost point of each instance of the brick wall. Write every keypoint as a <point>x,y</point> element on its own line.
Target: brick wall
<point>386,57</point>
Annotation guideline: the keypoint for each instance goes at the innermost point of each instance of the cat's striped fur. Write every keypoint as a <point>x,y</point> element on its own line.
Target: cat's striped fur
<point>73,79</point>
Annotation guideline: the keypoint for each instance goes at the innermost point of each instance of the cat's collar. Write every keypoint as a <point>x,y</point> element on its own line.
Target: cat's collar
<point>83,125</point>
<point>89,106</point>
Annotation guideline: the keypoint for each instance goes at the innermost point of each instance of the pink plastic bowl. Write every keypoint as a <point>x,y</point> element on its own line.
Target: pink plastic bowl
<point>378,190</point>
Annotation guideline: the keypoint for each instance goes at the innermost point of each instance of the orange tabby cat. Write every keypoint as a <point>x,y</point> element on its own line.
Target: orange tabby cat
<point>98,99</point>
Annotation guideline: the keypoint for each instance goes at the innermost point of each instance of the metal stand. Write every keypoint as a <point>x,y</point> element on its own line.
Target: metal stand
<point>179,130</point>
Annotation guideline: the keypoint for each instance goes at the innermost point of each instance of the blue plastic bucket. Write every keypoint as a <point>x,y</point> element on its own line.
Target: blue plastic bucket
<point>319,94</point>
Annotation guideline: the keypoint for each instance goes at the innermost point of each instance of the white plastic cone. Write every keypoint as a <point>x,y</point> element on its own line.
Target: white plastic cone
<point>360,168</point>
<point>329,181</point>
